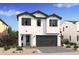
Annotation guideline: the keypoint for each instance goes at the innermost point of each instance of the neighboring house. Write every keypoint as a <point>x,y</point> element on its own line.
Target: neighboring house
<point>3,28</point>
<point>70,31</point>
<point>38,29</point>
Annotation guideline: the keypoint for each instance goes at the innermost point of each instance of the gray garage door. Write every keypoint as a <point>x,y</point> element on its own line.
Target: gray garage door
<point>44,40</point>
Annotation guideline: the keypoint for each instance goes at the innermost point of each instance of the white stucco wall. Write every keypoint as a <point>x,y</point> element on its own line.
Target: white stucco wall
<point>34,30</point>
<point>77,26</point>
<point>71,30</point>
<point>52,29</point>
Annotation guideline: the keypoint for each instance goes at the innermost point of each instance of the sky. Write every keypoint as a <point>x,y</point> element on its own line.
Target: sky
<point>8,11</point>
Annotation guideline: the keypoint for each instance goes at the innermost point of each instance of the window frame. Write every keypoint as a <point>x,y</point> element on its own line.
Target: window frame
<point>70,37</point>
<point>26,23</point>
<point>66,26</point>
<point>53,22</point>
<point>63,28</point>
<point>77,37</point>
<point>39,22</point>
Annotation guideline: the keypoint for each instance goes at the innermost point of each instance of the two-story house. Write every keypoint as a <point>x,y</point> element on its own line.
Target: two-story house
<point>70,31</point>
<point>38,29</point>
<point>3,28</point>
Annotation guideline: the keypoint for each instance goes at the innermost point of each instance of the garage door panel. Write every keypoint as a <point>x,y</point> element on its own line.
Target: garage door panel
<point>46,40</point>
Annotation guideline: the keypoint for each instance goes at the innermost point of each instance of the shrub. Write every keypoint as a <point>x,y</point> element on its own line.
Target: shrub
<point>19,48</point>
<point>68,46</point>
<point>1,44</point>
<point>65,41</point>
<point>75,47</point>
<point>13,51</point>
<point>71,43</point>
<point>9,40</point>
<point>6,47</point>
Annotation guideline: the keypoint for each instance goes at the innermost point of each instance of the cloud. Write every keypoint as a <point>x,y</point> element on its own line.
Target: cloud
<point>9,12</point>
<point>66,5</point>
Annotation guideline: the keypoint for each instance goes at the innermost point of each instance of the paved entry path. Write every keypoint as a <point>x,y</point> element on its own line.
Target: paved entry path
<point>55,49</point>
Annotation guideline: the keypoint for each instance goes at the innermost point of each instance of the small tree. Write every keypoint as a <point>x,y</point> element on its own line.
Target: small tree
<point>9,29</point>
<point>8,40</point>
<point>11,39</point>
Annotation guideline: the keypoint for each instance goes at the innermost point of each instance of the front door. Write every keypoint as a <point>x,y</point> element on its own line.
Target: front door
<point>27,40</point>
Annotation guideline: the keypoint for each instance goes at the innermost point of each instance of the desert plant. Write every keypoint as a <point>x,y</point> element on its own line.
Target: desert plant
<point>19,48</point>
<point>68,46</point>
<point>72,43</point>
<point>65,41</point>
<point>75,47</point>
<point>1,44</point>
<point>9,40</point>
<point>6,47</point>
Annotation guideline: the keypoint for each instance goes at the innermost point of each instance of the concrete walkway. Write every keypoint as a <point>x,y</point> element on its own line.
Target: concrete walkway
<point>55,49</point>
<point>64,53</point>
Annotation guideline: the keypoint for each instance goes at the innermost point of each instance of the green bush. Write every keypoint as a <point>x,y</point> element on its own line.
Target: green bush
<point>6,47</point>
<point>65,41</point>
<point>71,43</point>
<point>1,44</point>
<point>68,46</point>
<point>75,47</point>
<point>19,48</point>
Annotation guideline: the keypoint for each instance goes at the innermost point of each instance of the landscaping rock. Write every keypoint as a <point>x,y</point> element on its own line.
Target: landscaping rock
<point>37,51</point>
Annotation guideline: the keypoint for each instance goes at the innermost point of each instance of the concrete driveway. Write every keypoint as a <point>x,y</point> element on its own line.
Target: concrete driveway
<point>55,49</point>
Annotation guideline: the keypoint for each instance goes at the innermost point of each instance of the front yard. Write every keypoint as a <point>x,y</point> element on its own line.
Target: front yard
<point>13,51</point>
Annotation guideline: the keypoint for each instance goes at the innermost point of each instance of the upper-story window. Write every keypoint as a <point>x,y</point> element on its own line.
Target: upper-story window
<point>38,22</point>
<point>53,22</point>
<point>26,21</point>
<point>66,26</point>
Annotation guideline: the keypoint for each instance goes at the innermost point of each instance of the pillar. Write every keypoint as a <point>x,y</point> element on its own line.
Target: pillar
<point>33,41</point>
<point>58,40</point>
<point>19,40</point>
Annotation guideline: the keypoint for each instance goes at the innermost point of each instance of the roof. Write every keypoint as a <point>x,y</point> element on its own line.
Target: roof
<point>3,22</point>
<point>39,12</point>
<point>55,15</point>
<point>72,20</point>
<point>25,13</point>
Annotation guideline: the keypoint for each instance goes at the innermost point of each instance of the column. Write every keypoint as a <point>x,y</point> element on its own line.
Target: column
<point>58,40</point>
<point>19,40</point>
<point>24,40</point>
<point>33,41</point>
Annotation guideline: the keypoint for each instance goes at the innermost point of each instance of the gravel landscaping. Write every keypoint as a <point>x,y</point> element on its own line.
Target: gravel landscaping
<point>25,51</point>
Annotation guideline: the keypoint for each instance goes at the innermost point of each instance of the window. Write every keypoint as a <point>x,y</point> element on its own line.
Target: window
<point>26,21</point>
<point>74,22</point>
<point>66,26</point>
<point>22,37</point>
<point>28,38</point>
<point>63,28</point>
<point>38,22</point>
<point>22,44</point>
<point>77,38</point>
<point>53,22</point>
<point>70,38</point>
